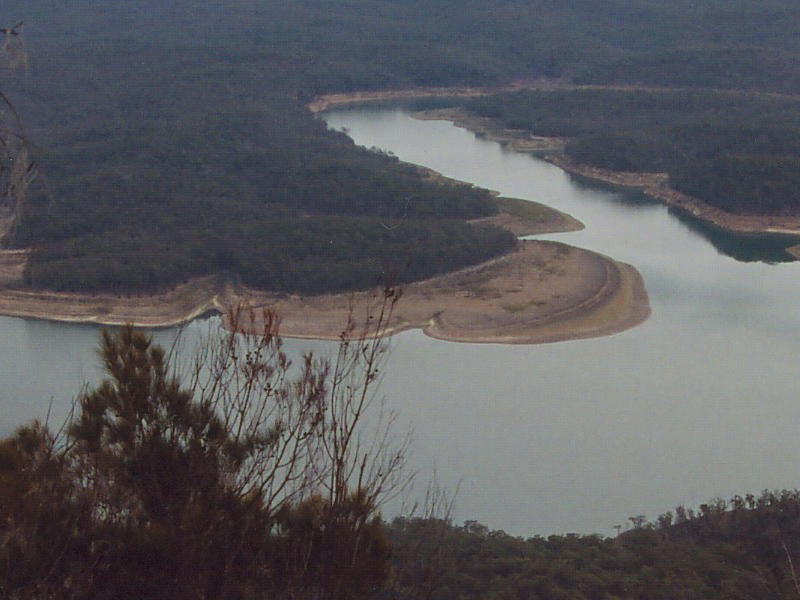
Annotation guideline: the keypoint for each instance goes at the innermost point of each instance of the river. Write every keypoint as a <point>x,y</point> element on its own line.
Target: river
<point>701,401</point>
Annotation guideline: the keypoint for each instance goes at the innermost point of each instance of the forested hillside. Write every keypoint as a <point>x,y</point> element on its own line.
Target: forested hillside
<point>376,44</point>
<point>202,160</point>
<point>264,192</point>
<point>160,125</point>
<point>172,141</point>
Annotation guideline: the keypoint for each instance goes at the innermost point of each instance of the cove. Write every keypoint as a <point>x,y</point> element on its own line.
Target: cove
<point>702,400</point>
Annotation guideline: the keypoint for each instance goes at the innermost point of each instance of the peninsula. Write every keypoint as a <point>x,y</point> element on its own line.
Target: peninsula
<point>540,292</point>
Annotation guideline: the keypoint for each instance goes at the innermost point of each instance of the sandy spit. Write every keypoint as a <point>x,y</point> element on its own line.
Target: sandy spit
<point>542,292</point>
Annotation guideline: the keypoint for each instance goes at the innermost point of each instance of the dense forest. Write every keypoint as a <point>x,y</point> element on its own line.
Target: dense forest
<point>148,190</point>
<point>280,202</point>
<point>159,124</point>
<point>317,46</point>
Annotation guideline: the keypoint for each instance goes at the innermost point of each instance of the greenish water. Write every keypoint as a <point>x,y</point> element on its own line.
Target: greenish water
<point>703,400</point>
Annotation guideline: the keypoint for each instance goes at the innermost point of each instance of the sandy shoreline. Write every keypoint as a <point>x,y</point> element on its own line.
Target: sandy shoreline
<point>654,185</point>
<point>542,292</point>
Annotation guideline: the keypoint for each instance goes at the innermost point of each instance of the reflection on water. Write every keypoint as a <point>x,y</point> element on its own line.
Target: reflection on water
<point>632,199</point>
<point>746,247</point>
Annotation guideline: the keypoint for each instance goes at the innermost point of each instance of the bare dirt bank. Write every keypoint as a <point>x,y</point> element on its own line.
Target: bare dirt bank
<point>543,292</point>
<point>182,304</point>
<point>526,217</point>
<point>794,251</point>
<point>656,185</point>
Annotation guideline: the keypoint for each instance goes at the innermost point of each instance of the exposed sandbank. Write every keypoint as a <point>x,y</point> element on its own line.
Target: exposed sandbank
<point>794,251</point>
<point>526,217</point>
<point>521,217</point>
<point>542,292</point>
<point>656,185</point>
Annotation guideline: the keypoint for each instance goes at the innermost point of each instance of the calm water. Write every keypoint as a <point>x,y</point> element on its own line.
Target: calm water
<point>703,400</point>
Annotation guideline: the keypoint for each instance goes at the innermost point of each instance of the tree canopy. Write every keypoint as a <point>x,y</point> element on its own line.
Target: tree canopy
<point>733,150</point>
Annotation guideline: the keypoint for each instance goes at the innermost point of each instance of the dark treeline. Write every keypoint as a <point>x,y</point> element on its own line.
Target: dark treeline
<point>266,250</point>
<point>737,151</point>
<point>744,549</point>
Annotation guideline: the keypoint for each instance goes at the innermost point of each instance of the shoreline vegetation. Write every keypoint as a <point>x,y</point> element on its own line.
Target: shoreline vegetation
<point>477,304</point>
<point>541,292</point>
